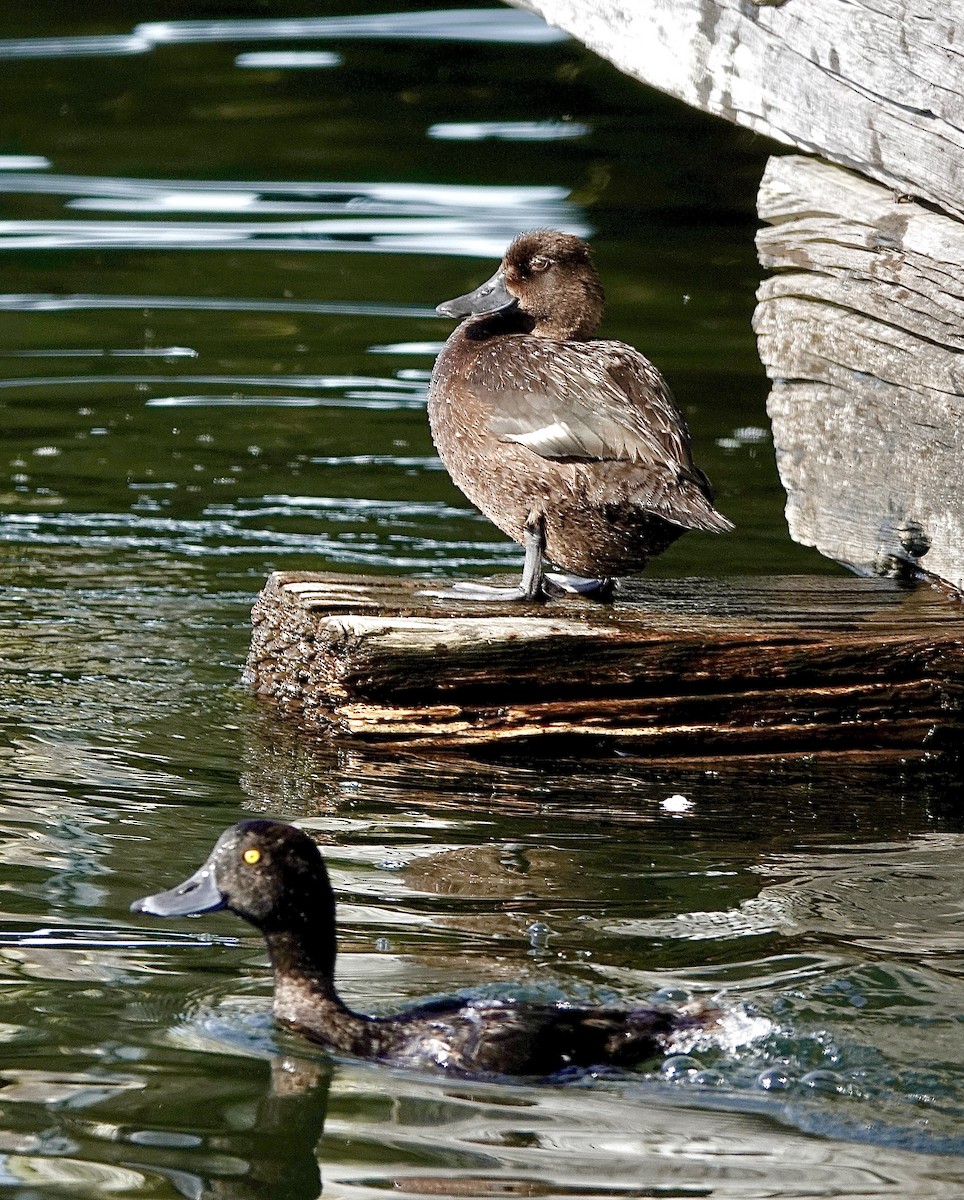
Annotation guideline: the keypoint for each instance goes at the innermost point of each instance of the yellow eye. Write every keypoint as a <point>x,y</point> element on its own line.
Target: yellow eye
<point>251,857</point>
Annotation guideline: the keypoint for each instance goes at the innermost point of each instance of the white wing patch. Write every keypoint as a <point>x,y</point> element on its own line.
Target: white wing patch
<point>595,400</point>
<point>557,440</point>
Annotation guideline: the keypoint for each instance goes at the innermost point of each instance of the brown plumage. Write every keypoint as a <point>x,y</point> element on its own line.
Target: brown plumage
<point>545,428</point>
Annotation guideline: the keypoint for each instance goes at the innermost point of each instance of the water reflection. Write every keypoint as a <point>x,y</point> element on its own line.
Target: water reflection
<point>252,1133</point>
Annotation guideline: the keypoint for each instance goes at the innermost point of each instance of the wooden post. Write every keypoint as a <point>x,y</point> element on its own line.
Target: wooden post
<point>777,666</point>
<point>862,332</point>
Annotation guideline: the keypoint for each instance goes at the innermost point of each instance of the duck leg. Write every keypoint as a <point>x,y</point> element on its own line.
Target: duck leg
<point>533,575</point>
<point>532,587</point>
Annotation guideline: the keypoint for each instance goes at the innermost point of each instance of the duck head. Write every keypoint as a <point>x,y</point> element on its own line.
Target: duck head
<point>269,873</point>
<point>546,283</point>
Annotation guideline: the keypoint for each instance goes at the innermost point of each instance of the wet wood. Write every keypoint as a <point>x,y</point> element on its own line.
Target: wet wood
<point>862,332</point>
<point>692,667</point>
<point>873,84</point>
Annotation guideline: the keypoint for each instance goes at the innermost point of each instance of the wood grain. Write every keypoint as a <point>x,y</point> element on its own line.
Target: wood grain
<point>862,332</point>
<point>691,666</point>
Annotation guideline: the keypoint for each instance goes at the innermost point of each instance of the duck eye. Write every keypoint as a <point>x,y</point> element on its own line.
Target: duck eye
<point>539,262</point>
<point>251,857</point>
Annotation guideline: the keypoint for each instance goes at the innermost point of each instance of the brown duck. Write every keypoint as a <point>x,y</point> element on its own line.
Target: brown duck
<point>570,444</point>
<point>274,876</point>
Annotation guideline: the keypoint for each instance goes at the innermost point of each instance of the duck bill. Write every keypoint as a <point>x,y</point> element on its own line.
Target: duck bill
<point>199,894</point>
<point>490,297</point>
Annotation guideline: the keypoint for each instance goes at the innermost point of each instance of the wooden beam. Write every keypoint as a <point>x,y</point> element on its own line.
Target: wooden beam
<point>692,667</point>
<point>862,332</point>
<point>876,85</point>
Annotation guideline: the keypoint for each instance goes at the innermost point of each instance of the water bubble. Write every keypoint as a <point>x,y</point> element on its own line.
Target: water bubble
<point>670,995</point>
<point>824,1081</point>
<point>832,1053</point>
<point>539,933</point>
<point>680,1066</point>
<point>709,1078</point>
<point>382,944</point>
<point>676,804</point>
<point>774,1079</point>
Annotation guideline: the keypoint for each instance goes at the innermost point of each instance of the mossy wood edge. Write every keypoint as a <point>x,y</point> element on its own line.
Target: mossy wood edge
<point>692,667</point>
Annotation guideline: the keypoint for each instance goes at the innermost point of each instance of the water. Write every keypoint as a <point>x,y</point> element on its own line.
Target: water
<point>222,243</point>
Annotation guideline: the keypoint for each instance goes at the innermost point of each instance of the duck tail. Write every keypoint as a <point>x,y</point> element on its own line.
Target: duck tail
<point>712,521</point>
<point>700,513</point>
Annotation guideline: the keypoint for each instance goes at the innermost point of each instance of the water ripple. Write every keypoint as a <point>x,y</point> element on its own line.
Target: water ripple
<point>371,387</point>
<point>286,60</point>
<point>377,217</point>
<point>508,131</point>
<point>54,302</point>
<point>355,532</point>
<point>420,196</point>
<point>494,26</point>
<point>475,237</point>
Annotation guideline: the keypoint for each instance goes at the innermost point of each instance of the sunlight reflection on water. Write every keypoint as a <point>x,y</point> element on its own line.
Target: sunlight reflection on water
<point>496,26</point>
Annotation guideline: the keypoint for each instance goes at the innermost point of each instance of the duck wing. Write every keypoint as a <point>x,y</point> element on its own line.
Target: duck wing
<point>482,1037</point>
<point>543,1039</point>
<point>596,400</point>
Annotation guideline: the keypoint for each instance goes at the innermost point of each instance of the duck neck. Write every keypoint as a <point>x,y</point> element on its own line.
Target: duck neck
<point>574,313</point>
<point>304,991</point>
<point>304,955</point>
<point>498,324</point>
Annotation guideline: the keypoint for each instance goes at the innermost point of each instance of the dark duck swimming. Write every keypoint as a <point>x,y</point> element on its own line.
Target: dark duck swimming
<point>570,444</point>
<point>273,875</point>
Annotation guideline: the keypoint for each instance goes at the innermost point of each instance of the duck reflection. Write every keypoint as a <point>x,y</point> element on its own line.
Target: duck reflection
<point>268,1148</point>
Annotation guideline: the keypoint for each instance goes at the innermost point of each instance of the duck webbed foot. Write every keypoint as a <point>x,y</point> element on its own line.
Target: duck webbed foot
<point>576,585</point>
<point>531,590</point>
<point>485,591</point>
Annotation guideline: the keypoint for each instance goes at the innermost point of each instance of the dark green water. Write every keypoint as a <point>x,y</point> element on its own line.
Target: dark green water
<point>215,336</point>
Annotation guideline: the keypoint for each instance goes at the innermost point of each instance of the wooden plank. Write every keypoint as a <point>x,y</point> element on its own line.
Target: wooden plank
<point>687,666</point>
<point>862,333</point>
<point>876,85</point>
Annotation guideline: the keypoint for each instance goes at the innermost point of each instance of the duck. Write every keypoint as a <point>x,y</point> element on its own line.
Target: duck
<point>570,444</point>
<point>273,875</point>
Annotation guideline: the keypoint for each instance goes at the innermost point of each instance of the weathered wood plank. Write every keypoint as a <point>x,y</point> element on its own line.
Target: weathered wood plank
<point>872,84</point>
<point>692,666</point>
<point>863,335</point>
